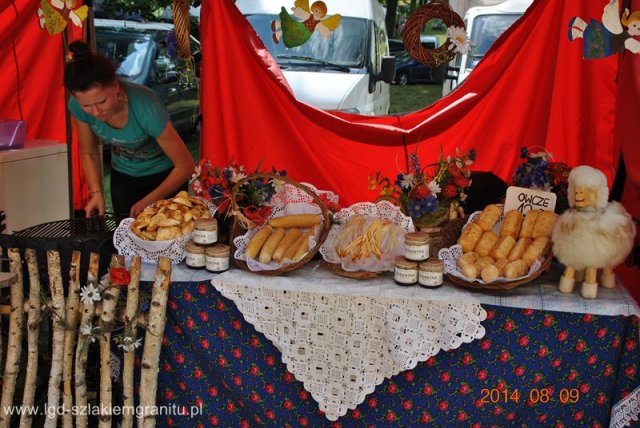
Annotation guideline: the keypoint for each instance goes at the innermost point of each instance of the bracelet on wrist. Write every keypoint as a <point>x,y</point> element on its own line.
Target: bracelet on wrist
<point>94,192</point>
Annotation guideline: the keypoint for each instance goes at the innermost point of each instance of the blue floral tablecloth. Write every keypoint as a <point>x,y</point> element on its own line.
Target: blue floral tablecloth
<point>532,368</point>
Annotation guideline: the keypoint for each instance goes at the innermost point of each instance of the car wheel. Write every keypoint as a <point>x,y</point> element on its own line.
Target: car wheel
<point>402,79</point>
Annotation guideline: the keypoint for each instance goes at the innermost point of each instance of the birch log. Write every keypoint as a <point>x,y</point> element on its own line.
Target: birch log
<point>14,343</point>
<point>131,316</point>
<point>71,322</point>
<point>33,330</point>
<point>82,349</point>
<point>153,343</point>
<point>57,351</point>
<point>109,301</point>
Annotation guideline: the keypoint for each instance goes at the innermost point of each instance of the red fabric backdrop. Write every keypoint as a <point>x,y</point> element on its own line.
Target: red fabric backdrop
<point>532,89</point>
<point>31,64</point>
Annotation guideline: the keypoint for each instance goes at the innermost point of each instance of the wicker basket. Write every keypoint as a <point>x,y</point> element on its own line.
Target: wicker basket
<point>238,228</point>
<point>498,285</point>
<point>360,274</point>
<point>444,236</point>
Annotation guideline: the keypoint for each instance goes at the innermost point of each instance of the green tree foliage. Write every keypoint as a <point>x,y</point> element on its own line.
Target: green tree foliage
<point>147,9</point>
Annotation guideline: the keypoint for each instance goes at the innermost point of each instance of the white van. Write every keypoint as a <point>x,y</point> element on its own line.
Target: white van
<point>484,25</point>
<point>349,71</point>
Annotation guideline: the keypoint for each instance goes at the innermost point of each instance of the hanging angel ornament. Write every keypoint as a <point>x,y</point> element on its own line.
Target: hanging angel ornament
<point>55,15</point>
<point>293,32</point>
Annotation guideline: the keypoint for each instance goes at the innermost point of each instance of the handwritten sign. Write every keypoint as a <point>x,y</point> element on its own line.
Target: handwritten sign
<point>523,200</point>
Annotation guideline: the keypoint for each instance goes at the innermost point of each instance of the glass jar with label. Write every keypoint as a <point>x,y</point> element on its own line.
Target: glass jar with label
<point>405,271</point>
<point>217,258</point>
<point>431,273</point>
<point>205,231</point>
<point>194,255</point>
<point>416,246</point>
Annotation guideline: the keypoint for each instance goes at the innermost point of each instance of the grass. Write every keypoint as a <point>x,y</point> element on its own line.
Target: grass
<point>410,98</point>
<point>404,99</point>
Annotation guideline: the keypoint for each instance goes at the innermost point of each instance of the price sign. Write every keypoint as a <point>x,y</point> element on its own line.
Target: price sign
<point>523,200</point>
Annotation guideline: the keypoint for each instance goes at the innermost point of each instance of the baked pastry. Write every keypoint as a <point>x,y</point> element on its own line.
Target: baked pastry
<point>535,250</point>
<point>526,231</point>
<point>486,243</point>
<point>470,237</point>
<point>489,216</point>
<point>511,224</point>
<point>503,247</point>
<point>489,273</point>
<point>518,250</point>
<point>544,224</point>
<point>466,258</point>
<point>515,269</point>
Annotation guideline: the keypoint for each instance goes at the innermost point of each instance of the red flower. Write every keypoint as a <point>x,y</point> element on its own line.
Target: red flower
<point>461,181</point>
<point>454,169</point>
<point>449,191</point>
<point>420,192</point>
<point>256,214</point>
<point>213,391</point>
<point>443,405</point>
<point>327,203</point>
<point>119,276</point>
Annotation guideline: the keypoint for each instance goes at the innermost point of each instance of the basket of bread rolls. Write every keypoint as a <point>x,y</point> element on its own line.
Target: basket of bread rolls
<point>365,239</point>
<point>162,228</point>
<point>291,235</point>
<point>500,251</point>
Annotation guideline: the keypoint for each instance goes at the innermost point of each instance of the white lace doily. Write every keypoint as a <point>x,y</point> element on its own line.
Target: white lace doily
<point>288,200</point>
<point>626,410</point>
<point>129,244</point>
<point>451,254</point>
<point>341,347</point>
<point>383,210</point>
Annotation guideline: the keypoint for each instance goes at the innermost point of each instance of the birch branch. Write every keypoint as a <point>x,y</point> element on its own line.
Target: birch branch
<point>153,343</point>
<point>133,293</point>
<point>71,323</point>
<point>57,352</point>
<point>14,344</point>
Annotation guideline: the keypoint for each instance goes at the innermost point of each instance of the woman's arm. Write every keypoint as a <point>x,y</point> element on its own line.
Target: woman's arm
<point>92,167</point>
<point>183,167</point>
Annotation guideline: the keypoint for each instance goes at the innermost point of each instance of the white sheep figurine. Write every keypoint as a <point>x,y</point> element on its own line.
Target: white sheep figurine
<point>592,234</point>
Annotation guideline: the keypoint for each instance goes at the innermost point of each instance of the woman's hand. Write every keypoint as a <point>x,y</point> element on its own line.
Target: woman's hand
<point>95,206</point>
<point>139,206</point>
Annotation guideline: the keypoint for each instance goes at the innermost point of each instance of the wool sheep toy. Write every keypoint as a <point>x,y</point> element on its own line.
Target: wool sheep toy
<point>592,234</point>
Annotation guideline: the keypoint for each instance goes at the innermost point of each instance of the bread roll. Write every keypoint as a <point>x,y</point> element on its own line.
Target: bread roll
<point>518,250</point>
<point>270,245</point>
<point>256,242</point>
<point>469,257</point>
<point>489,217</point>
<point>515,269</point>
<point>470,237</point>
<point>503,247</point>
<point>484,261</point>
<point>535,250</point>
<point>469,270</point>
<point>487,241</point>
<point>290,237</point>
<point>544,224</point>
<point>500,264</point>
<point>489,273</point>
<point>512,224</point>
<point>526,231</point>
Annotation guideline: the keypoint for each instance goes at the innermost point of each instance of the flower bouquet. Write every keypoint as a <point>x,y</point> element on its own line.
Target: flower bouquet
<point>215,184</point>
<point>537,171</point>
<point>430,195</point>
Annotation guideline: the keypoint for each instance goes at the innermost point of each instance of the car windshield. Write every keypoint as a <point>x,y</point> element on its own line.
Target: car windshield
<point>346,46</point>
<point>486,30</point>
<point>130,50</point>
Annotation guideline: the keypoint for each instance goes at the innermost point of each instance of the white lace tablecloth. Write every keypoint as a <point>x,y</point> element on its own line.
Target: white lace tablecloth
<point>342,346</point>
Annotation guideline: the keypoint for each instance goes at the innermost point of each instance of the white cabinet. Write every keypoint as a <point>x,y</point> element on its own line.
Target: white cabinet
<point>34,188</point>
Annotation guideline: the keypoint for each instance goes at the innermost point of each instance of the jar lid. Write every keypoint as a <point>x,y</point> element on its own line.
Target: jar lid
<point>403,263</point>
<point>432,265</point>
<point>218,250</point>
<point>193,248</point>
<point>206,223</point>
<point>416,238</point>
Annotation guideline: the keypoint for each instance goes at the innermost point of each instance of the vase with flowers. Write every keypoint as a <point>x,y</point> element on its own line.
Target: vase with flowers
<point>431,194</point>
<point>215,184</point>
<point>538,171</point>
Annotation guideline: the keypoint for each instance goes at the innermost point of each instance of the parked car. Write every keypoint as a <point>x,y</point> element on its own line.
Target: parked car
<point>410,71</point>
<point>140,51</point>
<point>396,46</point>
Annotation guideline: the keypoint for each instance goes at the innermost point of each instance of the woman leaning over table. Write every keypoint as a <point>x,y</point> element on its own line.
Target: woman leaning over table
<point>149,160</point>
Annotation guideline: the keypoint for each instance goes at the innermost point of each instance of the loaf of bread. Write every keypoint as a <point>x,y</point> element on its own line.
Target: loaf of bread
<point>470,237</point>
<point>526,231</point>
<point>488,217</point>
<point>544,224</point>
<point>503,247</point>
<point>486,243</point>
<point>511,224</point>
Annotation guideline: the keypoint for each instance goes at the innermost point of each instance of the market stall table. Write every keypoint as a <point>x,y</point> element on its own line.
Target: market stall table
<point>546,358</point>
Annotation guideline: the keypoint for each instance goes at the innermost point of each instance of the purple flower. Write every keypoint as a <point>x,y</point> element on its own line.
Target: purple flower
<point>415,163</point>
